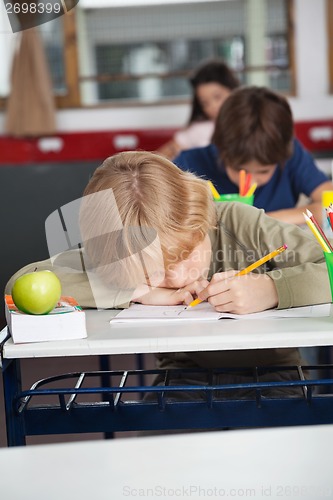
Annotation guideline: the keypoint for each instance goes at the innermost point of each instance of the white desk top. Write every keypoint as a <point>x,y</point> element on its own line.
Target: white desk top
<point>294,463</point>
<point>189,336</point>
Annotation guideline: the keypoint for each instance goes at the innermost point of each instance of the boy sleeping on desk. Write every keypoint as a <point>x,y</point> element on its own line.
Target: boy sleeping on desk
<point>153,235</point>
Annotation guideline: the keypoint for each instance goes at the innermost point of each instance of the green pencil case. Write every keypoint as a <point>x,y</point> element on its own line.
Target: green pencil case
<point>248,200</point>
<point>329,264</point>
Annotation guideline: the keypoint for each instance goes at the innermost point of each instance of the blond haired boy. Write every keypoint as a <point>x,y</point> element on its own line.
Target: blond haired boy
<point>141,203</point>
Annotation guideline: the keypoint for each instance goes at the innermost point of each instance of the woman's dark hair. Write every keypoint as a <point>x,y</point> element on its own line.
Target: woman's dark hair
<point>213,71</point>
<point>254,123</point>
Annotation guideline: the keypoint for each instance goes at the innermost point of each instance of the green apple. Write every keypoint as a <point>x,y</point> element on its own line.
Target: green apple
<point>37,292</point>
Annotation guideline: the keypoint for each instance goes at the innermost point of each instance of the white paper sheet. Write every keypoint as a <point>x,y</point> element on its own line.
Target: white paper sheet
<point>139,313</point>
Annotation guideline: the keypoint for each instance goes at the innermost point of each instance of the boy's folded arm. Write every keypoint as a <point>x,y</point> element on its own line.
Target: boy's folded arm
<point>88,291</point>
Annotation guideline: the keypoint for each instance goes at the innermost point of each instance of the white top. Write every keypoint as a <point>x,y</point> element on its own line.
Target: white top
<point>224,334</point>
<point>195,135</point>
<point>294,463</point>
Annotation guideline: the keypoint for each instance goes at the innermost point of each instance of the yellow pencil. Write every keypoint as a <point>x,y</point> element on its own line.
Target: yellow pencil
<point>261,261</point>
<point>317,234</point>
<point>215,193</point>
<point>194,303</point>
<point>250,268</point>
<point>251,189</point>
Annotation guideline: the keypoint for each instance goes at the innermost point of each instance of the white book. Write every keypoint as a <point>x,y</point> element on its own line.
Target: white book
<point>66,321</point>
<point>138,313</point>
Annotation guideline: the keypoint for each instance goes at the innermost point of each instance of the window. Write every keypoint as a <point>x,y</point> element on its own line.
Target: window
<point>53,38</point>
<point>59,38</point>
<point>150,71</point>
<point>145,54</point>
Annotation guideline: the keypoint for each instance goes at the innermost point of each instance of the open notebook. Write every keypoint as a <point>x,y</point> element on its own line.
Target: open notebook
<point>205,312</point>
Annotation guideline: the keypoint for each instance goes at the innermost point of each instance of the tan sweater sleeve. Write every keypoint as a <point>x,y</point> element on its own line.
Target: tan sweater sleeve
<point>300,273</point>
<point>89,292</point>
<point>301,277</point>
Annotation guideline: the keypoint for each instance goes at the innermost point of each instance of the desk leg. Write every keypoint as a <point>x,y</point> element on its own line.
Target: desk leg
<point>325,358</point>
<point>104,365</point>
<point>12,387</point>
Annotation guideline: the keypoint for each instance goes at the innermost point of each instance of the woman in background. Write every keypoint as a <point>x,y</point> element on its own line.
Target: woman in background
<point>212,83</point>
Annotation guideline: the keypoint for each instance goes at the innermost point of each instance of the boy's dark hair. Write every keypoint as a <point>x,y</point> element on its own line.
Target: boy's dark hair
<point>213,71</point>
<point>254,123</point>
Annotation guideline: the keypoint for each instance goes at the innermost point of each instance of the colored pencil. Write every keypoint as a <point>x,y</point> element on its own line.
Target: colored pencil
<point>242,178</point>
<point>250,268</point>
<point>329,215</point>
<point>323,235</point>
<point>215,193</point>
<point>316,233</point>
<point>331,219</point>
<point>247,184</point>
<point>252,189</point>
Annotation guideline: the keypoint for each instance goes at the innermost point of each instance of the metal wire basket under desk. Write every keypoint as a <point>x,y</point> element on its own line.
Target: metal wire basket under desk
<point>65,404</point>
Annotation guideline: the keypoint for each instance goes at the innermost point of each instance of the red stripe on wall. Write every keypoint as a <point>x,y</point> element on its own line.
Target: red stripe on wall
<point>78,146</point>
<point>316,136</point>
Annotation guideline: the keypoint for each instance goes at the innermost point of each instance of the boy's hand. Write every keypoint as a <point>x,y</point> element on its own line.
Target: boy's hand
<point>165,297</point>
<point>242,294</point>
<point>155,296</point>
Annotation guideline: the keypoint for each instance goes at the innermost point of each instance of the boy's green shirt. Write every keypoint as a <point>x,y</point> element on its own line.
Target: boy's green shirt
<point>245,234</point>
<point>242,236</point>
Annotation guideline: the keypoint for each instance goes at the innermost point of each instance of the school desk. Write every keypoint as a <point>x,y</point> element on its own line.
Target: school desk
<point>28,414</point>
<point>275,463</point>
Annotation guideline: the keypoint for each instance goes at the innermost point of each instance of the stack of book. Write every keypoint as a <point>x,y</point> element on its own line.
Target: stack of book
<point>65,322</point>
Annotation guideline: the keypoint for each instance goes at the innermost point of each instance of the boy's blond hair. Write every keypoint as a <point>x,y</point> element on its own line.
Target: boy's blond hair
<point>135,199</point>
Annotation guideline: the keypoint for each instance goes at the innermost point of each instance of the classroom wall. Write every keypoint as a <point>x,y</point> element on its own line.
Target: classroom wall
<point>29,194</point>
<point>312,101</point>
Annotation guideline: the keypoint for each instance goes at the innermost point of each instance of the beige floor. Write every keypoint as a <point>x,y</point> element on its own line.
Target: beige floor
<point>35,369</point>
